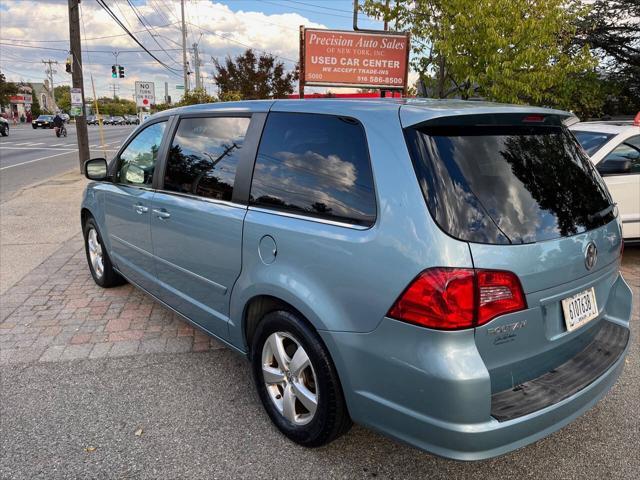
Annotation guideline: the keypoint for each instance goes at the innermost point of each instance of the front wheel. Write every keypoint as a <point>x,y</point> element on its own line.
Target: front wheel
<point>57,133</point>
<point>297,381</point>
<point>100,265</point>
<point>5,131</point>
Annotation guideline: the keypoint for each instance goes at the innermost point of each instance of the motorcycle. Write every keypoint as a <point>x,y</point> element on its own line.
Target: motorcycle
<point>61,131</point>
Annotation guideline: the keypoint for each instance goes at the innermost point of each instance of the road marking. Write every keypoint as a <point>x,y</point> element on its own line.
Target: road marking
<point>34,160</point>
<point>68,149</point>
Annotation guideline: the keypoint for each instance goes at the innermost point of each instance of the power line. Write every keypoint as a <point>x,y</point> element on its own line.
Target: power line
<point>36,47</point>
<point>84,40</point>
<point>141,18</point>
<point>110,12</point>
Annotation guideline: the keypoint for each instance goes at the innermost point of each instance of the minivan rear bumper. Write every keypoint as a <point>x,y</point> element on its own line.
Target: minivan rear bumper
<point>431,389</point>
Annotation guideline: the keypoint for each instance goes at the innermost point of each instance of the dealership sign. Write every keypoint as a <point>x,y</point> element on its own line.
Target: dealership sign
<point>353,59</point>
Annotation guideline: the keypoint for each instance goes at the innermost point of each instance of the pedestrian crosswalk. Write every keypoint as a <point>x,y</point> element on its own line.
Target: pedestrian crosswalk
<point>54,145</point>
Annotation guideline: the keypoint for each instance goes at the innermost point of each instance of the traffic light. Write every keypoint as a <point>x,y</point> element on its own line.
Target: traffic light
<point>114,72</point>
<point>68,66</point>
<point>121,71</point>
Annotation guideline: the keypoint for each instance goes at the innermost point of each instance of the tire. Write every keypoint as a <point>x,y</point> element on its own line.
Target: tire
<point>317,380</point>
<point>94,247</point>
<point>35,127</point>
<point>58,133</point>
<point>5,131</point>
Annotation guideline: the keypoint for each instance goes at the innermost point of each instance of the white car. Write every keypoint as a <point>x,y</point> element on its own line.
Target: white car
<point>614,147</point>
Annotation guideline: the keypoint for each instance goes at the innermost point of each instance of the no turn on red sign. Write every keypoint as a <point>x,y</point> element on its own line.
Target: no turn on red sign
<point>145,94</point>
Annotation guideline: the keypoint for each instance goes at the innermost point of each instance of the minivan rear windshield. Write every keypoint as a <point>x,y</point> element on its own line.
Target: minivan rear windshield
<point>502,184</point>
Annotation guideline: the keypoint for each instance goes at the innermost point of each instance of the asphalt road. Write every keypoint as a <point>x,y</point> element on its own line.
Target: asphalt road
<point>201,418</point>
<point>29,156</point>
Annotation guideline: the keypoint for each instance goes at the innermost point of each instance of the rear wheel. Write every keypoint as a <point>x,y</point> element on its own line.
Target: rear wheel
<point>100,265</point>
<point>4,130</point>
<point>297,381</point>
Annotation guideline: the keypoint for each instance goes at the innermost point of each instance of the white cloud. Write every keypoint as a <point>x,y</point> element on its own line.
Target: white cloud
<point>219,31</point>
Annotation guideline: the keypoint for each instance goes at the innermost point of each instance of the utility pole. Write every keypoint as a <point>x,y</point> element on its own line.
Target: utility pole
<point>50,71</point>
<point>115,88</point>
<point>196,61</point>
<point>78,81</point>
<point>184,50</point>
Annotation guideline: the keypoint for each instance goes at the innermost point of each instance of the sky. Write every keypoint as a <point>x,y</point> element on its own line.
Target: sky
<point>32,31</point>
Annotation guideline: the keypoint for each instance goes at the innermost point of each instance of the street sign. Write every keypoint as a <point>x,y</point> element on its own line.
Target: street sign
<point>75,111</point>
<point>76,97</point>
<point>145,94</point>
<point>354,59</point>
<point>179,87</point>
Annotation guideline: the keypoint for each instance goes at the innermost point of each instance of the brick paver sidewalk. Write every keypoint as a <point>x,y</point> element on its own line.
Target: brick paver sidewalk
<point>58,313</point>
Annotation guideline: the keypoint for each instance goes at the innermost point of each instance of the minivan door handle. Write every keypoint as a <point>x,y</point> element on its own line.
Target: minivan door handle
<point>161,214</point>
<point>140,209</point>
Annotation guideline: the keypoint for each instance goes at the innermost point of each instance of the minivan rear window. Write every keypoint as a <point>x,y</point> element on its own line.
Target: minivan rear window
<point>502,184</point>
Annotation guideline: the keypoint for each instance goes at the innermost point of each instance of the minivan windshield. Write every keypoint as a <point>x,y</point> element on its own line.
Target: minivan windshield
<point>502,184</point>
<point>592,141</point>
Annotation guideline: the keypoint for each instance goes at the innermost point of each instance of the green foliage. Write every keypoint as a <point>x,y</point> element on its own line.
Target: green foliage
<point>254,77</point>
<point>63,97</point>
<point>196,96</point>
<point>230,96</point>
<point>515,51</point>
<point>612,31</point>
<point>7,89</point>
<point>118,107</point>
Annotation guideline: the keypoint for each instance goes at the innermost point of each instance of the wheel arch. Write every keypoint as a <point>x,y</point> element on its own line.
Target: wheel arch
<point>255,310</point>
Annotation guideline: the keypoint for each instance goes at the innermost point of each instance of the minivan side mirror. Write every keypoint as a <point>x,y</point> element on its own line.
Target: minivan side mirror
<point>96,169</point>
<point>614,166</point>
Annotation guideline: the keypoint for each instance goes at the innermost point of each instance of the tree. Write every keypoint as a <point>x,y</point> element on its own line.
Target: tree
<point>254,77</point>
<point>512,51</point>
<point>117,107</point>
<point>63,97</point>
<point>612,31</point>
<point>196,96</point>
<point>7,89</point>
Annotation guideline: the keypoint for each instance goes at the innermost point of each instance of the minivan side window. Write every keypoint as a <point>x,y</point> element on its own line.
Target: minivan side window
<point>315,165</point>
<point>138,160</point>
<point>204,156</point>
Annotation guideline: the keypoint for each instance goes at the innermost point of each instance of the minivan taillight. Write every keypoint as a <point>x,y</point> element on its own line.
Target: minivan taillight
<point>457,298</point>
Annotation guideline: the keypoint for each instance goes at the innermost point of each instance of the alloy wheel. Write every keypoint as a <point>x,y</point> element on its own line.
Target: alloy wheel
<point>289,378</point>
<point>95,252</point>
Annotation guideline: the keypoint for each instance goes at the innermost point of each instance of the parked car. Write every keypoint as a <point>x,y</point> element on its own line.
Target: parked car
<point>444,272</point>
<point>43,121</point>
<point>4,127</point>
<point>92,120</point>
<point>614,147</point>
<point>132,119</point>
<point>117,120</point>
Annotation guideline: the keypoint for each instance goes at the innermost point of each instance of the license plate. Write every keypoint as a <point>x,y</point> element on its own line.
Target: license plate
<point>579,309</point>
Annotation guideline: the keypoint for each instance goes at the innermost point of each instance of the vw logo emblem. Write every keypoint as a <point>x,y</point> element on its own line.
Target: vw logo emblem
<point>590,256</point>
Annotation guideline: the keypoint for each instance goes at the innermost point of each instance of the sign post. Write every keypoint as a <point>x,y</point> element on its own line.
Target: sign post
<point>340,58</point>
<point>145,94</point>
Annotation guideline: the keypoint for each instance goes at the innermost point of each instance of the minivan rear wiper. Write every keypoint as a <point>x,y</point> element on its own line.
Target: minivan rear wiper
<point>601,213</point>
